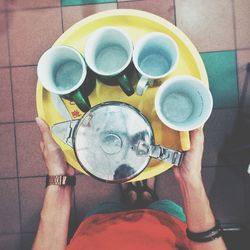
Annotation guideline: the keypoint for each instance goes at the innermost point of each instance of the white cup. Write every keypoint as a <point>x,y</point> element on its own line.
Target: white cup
<point>54,61</point>
<point>155,56</point>
<point>108,52</point>
<point>183,103</point>
<point>62,71</point>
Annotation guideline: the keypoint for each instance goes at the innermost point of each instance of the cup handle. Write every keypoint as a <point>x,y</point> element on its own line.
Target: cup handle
<point>142,85</point>
<point>165,154</point>
<point>81,101</point>
<point>126,85</point>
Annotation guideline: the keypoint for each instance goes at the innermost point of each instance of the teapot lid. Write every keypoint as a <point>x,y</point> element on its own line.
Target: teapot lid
<point>112,142</point>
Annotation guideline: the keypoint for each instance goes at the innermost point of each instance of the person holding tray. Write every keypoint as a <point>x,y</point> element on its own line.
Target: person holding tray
<point>144,222</point>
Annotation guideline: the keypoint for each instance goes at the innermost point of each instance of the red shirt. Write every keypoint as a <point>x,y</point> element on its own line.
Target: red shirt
<point>142,229</point>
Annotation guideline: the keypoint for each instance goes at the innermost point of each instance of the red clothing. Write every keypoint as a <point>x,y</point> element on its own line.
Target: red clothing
<point>144,229</point>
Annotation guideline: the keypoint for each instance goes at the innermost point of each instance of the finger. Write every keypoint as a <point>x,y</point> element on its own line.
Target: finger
<point>45,130</point>
<point>70,170</point>
<point>197,137</point>
<point>42,146</point>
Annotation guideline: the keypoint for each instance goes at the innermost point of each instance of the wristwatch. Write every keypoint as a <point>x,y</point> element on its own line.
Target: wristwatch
<point>60,180</point>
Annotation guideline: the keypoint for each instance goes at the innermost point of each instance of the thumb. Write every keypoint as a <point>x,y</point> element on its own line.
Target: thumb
<point>45,130</point>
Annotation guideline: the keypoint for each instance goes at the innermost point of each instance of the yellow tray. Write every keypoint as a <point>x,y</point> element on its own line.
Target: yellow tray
<point>136,24</point>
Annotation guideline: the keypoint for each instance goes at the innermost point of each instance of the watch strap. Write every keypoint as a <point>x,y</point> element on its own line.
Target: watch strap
<point>60,180</point>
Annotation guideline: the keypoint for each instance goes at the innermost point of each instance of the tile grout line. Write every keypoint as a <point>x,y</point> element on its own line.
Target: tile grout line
<point>175,13</point>
<point>236,46</point>
<point>237,79</point>
<point>18,66</point>
<point>61,11</point>
<point>4,234</point>
<point>234,24</point>
<point>22,177</point>
<point>31,176</point>
<point>15,137</point>
<point>57,6</point>
<point>16,122</point>
<point>34,8</point>
<point>28,121</point>
<point>216,51</point>
<point>111,1</point>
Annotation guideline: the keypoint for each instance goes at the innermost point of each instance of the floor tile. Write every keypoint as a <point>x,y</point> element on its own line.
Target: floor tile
<point>161,8</point>
<point>79,2</point>
<point>225,188</point>
<point>10,241</point>
<point>24,81</point>
<point>9,209</point>
<point>242,20</point>
<point>243,58</point>
<point>30,161</point>
<point>2,5</point>
<point>36,35</point>
<point>90,193</point>
<point>24,4</point>
<point>7,151</point>
<point>167,187</point>
<point>6,109</point>
<point>204,23</point>
<point>73,14</point>
<point>27,240</point>
<point>4,55</point>
<point>222,74</point>
<point>32,192</point>
<point>216,130</point>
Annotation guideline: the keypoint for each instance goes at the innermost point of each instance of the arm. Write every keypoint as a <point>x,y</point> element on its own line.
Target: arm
<point>53,227</point>
<point>199,215</point>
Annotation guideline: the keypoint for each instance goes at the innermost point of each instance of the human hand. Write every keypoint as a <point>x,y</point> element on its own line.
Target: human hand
<point>190,169</point>
<point>52,153</point>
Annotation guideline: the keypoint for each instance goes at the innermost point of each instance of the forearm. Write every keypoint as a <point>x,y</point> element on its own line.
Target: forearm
<point>199,215</point>
<point>53,228</point>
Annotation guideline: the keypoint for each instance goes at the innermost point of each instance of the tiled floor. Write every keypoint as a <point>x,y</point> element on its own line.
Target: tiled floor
<point>28,28</point>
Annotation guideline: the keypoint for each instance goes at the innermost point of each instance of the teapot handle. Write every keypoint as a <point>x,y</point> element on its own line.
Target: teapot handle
<point>165,154</point>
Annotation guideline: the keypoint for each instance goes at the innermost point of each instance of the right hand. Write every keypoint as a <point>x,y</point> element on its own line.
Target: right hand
<point>190,169</point>
<point>52,153</point>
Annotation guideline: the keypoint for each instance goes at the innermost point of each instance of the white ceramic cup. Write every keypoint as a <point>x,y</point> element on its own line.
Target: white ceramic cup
<point>108,52</point>
<point>62,71</point>
<point>183,103</point>
<point>53,62</point>
<point>155,56</point>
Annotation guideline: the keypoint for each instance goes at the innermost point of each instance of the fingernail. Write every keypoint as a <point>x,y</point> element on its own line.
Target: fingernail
<point>38,121</point>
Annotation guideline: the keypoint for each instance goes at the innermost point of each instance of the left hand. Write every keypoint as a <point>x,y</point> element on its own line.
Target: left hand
<point>52,153</point>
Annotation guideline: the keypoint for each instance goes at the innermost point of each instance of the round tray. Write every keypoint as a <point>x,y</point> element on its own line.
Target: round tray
<point>136,24</point>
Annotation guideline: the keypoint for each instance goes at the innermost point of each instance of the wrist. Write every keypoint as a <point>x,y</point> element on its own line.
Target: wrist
<point>59,189</point>
<point>193,181</point>
<point>60,171</point>
<point>196,205</point>
<point>56,172</point>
